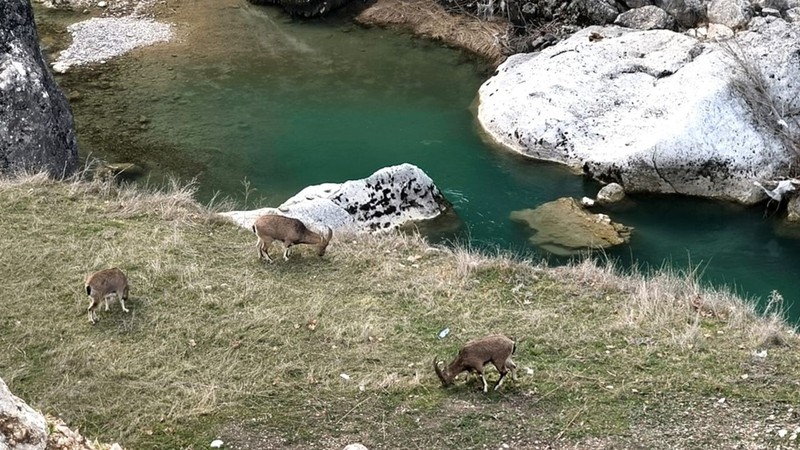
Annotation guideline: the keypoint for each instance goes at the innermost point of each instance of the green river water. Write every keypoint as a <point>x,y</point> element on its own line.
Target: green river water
<point>285,104</point>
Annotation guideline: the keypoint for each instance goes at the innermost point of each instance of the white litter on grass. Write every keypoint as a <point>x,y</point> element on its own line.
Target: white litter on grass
<point>344,376</point>
<point>216,443</point>
<point>101,38</point>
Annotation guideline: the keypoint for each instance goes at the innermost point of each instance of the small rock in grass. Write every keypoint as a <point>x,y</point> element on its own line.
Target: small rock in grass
<point>216,443</point>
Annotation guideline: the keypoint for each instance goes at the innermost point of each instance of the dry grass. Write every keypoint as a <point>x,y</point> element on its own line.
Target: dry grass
<point>429,19</point>
<point>769,110</point>
<point>220,344</point>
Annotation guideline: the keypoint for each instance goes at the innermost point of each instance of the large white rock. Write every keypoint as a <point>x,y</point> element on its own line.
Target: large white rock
<point>387,199</point>
<point>21,427</point>
<point>652,110</point>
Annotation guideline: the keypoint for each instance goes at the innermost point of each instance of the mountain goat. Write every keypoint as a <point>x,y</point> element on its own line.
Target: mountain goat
<point>290,231</point>
<point>103,284</point>
<point>496,349</point>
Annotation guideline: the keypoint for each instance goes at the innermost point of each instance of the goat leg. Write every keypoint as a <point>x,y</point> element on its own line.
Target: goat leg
<point>500,381</point>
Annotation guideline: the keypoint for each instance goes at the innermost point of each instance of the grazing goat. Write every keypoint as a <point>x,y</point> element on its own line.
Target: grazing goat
<point>103,284</point>
<point>496,349</point>
<point>290,231</point>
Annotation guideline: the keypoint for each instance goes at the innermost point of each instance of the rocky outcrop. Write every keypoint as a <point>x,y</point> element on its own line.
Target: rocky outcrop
<point>563,227</point>
<point>305,8</point>
<point>37,131</point>
<point>389,198</point>
<point>668,118</point>
<point>21,427</point>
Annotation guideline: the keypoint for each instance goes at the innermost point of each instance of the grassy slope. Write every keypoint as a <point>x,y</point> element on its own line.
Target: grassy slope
<point>218,344</point>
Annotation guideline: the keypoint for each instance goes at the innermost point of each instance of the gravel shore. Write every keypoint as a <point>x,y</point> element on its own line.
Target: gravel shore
<point>99,39</point>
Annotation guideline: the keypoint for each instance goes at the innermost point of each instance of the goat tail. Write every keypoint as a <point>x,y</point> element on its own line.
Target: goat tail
<point>254,229</point>
<point>88,290</point>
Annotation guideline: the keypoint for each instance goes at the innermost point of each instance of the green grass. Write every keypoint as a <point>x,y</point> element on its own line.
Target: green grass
<point>218,344</point>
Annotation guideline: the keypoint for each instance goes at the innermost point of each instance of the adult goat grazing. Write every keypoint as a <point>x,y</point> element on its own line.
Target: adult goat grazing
<point>496,349</point>
<point>290,231</point>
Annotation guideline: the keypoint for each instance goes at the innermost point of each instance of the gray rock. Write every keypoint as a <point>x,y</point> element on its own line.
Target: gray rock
<point>687,13</point>
<point>389,198</point>
<point>599,12</point>
<point>563,227</point>
<point>610,193</point>
<point>734,14</point>
<point>21,427</point>
<point>37,131</point>
<point>646,18</point>
<point>637,3</point>
<point>792,15</point>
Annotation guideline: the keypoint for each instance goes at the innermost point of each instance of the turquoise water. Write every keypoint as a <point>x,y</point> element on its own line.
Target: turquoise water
<point>284,105</point>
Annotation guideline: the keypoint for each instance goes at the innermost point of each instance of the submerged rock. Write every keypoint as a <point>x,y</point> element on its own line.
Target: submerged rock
<point>389,198</point>
<point>37,131</point>
<point>563,227</point>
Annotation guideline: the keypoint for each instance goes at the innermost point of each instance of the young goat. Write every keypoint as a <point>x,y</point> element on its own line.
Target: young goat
<point>496,349</point>
<point>290,231</point>
<point>103,284</point>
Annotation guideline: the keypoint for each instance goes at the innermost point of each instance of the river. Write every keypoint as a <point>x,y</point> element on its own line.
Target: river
<point>256,106</point>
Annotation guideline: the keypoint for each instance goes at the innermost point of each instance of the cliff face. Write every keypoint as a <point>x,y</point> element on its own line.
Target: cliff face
<point>37,131</point>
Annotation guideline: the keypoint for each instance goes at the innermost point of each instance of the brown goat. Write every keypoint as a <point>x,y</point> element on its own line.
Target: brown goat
<point>103,284</point>
<point>496,349</point>
<point>288,230</point>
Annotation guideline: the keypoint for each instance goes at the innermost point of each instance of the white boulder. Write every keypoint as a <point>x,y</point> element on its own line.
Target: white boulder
<point>652,110</point>
<point>21,427</point>
<point>610,193</point>
<point>387,199</point>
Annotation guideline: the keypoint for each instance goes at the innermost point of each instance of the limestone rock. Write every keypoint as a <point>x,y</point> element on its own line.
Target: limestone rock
<point>646,18</point>
<point>668,119</point>
<point>21,427</point>
<point>637,3</point>
<point>687,13</point>
<point>719,32</point>
<point>597,11</point>
<point>563,227</point>
<point>37,131</point>
<point>610,193</point>
<point>389,198</point>
<point>734,14</point>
